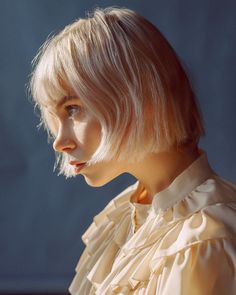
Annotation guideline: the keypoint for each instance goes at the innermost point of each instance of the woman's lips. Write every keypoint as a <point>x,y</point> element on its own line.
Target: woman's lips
<point>79,167</point>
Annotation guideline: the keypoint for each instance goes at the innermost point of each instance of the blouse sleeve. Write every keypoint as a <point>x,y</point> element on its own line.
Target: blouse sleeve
<point>205,268</point>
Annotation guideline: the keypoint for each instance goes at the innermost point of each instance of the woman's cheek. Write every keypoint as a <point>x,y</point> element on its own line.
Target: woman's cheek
<point>93,132</point>
<point>88,134</point>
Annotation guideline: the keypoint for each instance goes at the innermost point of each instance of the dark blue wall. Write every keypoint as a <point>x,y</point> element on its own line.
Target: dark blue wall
<point>42,216</point>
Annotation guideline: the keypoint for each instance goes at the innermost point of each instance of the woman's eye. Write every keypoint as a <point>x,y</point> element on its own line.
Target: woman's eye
<point>72,110</point>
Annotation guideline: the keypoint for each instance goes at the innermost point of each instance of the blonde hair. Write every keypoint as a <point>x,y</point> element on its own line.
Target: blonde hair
<point>127,74</point>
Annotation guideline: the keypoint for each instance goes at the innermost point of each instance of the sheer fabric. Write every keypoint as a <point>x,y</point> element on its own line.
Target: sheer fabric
<point>183,243</point>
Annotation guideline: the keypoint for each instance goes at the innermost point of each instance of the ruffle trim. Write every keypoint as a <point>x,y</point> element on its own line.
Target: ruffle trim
<point>146,275</point>
<point>206,213</point>
<point>103,240</point>
<point>137,266</point>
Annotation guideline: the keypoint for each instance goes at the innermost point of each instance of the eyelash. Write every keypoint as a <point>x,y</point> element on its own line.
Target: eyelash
<point>69,109</point>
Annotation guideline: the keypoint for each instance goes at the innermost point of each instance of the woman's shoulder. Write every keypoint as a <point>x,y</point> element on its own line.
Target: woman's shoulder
<point>206,214</point>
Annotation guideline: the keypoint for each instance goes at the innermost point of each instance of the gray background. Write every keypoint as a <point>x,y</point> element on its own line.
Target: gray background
<point>42,216</point>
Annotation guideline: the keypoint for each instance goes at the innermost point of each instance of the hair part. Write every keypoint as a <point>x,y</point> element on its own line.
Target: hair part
<point>128,76</point>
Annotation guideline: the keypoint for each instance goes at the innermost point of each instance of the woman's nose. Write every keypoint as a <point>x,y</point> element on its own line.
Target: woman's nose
<point>63,143</point>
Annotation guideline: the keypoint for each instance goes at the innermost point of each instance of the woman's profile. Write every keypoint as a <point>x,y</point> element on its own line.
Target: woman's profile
<point>115,98</point>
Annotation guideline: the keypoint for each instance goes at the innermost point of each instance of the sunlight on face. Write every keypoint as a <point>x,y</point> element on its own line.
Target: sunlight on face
<point>78,134</point>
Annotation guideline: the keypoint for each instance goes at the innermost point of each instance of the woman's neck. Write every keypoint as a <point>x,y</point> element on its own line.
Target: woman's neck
<point>157,171</point>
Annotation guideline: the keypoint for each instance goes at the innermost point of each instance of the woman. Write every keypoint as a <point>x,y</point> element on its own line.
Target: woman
<point>115,99</point>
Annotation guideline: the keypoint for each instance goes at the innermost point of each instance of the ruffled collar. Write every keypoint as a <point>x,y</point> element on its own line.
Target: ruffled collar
<point>116,260</point>
<point>143,253</point>
<point>183,184</point>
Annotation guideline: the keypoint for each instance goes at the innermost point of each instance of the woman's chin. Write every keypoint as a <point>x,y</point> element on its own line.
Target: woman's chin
<point>95,182</point>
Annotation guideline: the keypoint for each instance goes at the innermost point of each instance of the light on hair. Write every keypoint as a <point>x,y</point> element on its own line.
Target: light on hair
<point>128,76</point>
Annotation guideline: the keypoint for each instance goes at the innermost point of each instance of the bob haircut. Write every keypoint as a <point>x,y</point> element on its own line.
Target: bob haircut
<point>128,76</point>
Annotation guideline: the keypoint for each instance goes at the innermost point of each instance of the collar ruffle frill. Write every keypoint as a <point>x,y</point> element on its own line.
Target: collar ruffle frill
<point>118,260</point>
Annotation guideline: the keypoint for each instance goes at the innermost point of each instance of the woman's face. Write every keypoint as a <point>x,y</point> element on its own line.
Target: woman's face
<point>78,134</point>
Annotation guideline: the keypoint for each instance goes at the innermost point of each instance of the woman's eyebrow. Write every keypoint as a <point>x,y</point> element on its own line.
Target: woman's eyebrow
<point>65,99</point>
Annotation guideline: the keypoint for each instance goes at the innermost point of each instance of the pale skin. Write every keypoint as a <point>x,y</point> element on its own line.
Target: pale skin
<point>78,135</point>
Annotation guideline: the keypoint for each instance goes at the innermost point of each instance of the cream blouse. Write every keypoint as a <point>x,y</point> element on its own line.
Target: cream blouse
<point>184,243</point>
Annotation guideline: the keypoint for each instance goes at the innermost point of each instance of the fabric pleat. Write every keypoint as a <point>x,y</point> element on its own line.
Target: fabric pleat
<point>186,245</point>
